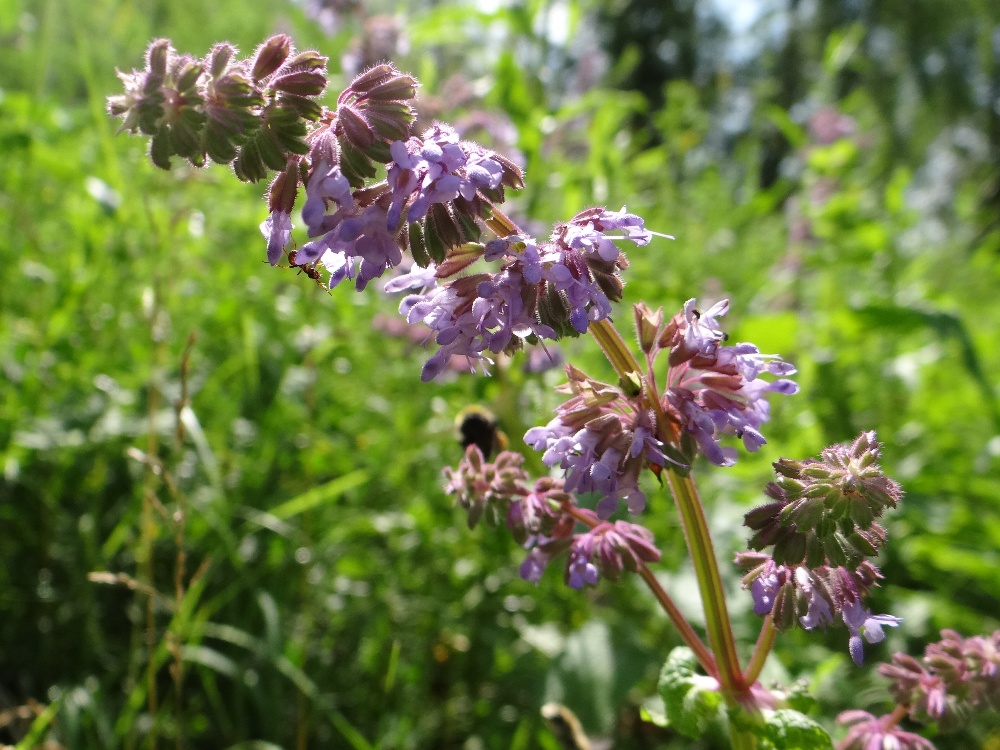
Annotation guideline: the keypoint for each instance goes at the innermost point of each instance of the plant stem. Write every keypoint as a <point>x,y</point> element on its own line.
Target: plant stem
<point>147,532</point>
<point>699,541</point>
<point>614,348</point>
<point>690,638</point>
<point>764,643</point>
<point>897,715</point>
<point>713,597</point>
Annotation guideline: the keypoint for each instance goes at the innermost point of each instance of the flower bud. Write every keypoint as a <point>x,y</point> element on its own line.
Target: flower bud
<point>355,128</point>
<point>394,89</point>
<point>815,554</point>
<point>647,325</point>
<point>785,607</point>
<point>270,56</point>
<point>834,549</point>
<point>157,57</point>
<point>808,514</point>
<point>219,57</point>
<point>791,550</point>
<point>794,487</point>
<point>788,468</point>
<point>762,516</point>
<point>825,526</point>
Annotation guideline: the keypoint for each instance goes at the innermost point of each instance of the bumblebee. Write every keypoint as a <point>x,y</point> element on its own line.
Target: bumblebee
<point>565,726</point>
<point>477,425</point>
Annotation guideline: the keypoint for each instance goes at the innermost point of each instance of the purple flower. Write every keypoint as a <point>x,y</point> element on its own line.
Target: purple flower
<point>474,314</point>
<point>602,439</point>
<point>860,622</point>
<point>446,309</point>
<point>373,244</point>
<point>870,733</point>
<point>608,550</point>
<point>415,278</point>
<point>764,589</point>
<point>356,245</point>
<point>436,168</point>
<point>818,611</point>
<point>277,228</point>
<point>325,183</point>
<point>580,571</point>
<point>715,390</point>
<point>533,566</point>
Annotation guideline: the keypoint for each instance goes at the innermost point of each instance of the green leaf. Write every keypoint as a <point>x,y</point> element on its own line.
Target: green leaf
<point>356,167</point>
<point>418,249</point>
<point>692,700</point>
<point>160,149</point>
<point>786,729</point>
<point>248,165</point>
<point>317,496</point>
<point>211,658</point>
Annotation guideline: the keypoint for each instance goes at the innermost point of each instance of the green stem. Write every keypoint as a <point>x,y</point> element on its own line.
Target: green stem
<point>764,643</point>
<point>614,348</point>
<point>706,568</point>
<point>699,541</point>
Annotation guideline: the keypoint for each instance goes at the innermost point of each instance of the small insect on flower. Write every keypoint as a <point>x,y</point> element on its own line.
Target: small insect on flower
<point>477,425</point>
<point>309,269</point>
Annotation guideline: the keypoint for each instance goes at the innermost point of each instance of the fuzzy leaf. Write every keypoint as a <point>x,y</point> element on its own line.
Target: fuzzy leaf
<point>249,166</point>
<point>417,247</point>
<point>355,166</point>
<point>160,149</point>
<point>692,700</point>
<point>786,729</point>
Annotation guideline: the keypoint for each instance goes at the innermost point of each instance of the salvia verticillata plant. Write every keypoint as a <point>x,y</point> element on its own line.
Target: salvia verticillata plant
<point>424,209</point>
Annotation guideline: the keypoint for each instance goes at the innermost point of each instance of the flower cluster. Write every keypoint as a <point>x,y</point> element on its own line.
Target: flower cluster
<point>542,290</point>
<point>503,491</point>
<point>438,168</point>
<point>602,438</point>
<point>607,549</point>
<point>355,240</point>
<point>826,509</point>
<point>956,676</point>
<point>438,182</point>
<point>375,191</point>
<point>868,732</point>
<point>252,113</point>
<point>438,194</point>
<point>817,596</point>
<point>542,516</point>
<point>821,527</point>
<point>711,389</point>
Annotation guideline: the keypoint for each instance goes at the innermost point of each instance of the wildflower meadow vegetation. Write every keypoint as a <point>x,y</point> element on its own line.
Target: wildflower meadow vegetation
<point>662,412</point>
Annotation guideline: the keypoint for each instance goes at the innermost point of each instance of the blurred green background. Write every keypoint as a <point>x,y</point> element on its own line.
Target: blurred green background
<point>286,571</point>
